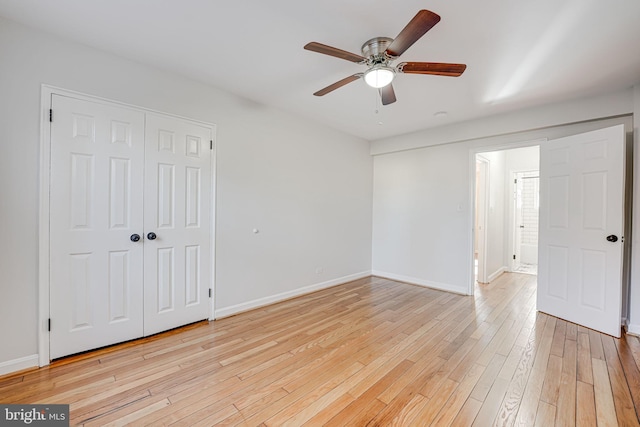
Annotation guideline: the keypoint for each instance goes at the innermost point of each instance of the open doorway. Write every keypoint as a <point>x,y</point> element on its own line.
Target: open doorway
<point>583,201</point>
<point>506,212</point>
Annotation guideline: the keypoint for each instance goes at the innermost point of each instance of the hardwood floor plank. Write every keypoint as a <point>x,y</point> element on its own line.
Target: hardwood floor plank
<point>305,408</point>
<point>360,417</point>
<point>634,345</point>
<point>625,410</point>
<point>101,409</point>
<point>459,396</point>
<point>566,404</point>
<point>572,331</point>
<point>422,370</point>
<point>518,385</point>
<point>408,393</point>
<point>630,369</point>
<point>545,414</point>
<point>557,346</point>
<point>129,413</point>
<point>485,382</point>
<point>524,322</point>
<point>595,342</point>
<point>585,405</point>
<point>369,352</point>
<point>492,404</point>
<point>484,349</point>
<point>183,408</point>
<point>467,413</point>
<point>585,370</point>
<point>207,416</point>
<point>551,385</point>
<point>429,412</point>
<point>11,380</point>
<point>363,400</point>
<point>605,407</point>
<point>407,413</point>
<point>528,405</point>
<point>312,380</point>
<point>328,412</point>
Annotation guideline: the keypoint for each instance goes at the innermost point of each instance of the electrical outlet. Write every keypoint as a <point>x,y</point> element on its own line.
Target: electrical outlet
<point>319,270</point>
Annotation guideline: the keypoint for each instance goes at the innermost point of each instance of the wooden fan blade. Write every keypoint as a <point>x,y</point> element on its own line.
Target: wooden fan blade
<point>435,68</point>
<point>334,51</point>
<point>338,84</point>
<point>416,28</point>
<point>387,94</point>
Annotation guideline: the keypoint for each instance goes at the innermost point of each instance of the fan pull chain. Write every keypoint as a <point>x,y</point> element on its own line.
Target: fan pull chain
<point>378,106</point>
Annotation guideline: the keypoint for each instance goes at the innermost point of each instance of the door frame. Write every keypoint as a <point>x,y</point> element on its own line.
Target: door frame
<point>47,91</point>
<point>473,153</point>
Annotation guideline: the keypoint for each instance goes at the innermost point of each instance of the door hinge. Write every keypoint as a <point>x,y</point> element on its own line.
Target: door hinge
<point>49,324</point>
<point>211,144</point>
<point>210,293</point>
<point>514,257</point>
<point>51,114</point>
<point>515,181</point>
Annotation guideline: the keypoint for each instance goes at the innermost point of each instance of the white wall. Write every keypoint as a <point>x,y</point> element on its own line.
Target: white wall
<point>422,216</point>
<point>420,208</point>
<point>522,160</point>
<point>308,189</point>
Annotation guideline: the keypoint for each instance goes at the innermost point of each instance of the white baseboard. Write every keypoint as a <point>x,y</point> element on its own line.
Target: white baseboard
<point>421,282</point>
<point>497,273</point>
<point>16,365</point>
<point>261,302</point>
<point>633,329</point>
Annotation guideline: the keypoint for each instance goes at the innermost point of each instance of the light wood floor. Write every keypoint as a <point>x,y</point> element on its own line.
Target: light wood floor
<point>371,352</point>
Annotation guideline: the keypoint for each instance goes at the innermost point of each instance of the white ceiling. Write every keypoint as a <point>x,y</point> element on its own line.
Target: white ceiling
<point>518,53</point>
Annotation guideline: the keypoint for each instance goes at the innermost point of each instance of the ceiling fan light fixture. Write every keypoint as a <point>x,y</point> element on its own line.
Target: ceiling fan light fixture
<point>379,53</point>
<point>379,76</point>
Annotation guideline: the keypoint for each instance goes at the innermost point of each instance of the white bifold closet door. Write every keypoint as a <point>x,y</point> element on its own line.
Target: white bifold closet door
<point>130,203</point>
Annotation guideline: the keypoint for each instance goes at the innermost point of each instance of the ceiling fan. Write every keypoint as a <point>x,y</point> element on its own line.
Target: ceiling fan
<point>379,53</point>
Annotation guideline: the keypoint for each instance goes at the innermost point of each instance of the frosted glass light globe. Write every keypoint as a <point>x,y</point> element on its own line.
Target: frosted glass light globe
<point>379,76</point>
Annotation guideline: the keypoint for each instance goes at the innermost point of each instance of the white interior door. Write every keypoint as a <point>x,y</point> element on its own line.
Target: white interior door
<point>177,200</point>
<point>97,161</point>
<point>581,213</point>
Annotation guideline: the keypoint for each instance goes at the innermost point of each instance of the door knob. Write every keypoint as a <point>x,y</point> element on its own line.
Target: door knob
<point>135,237</point>
<point>612,238</point>
<point>152,236</point>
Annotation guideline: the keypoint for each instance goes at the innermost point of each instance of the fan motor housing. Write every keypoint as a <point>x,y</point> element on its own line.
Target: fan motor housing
<point>376,46</point>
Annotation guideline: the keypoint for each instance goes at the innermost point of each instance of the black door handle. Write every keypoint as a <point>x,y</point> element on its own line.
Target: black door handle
<point>152,236</point>
<point>612,238</point>
<point>135,237</point>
